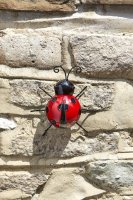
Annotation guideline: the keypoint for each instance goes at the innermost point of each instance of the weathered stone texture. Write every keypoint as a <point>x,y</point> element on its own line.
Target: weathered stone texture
<point>98,96</point>
<point>28,94</point>
<point>28,48</point>
<point>19,141</point>
<point>120,114</point>
<point>66,164</point>
<point>68,184</point>
<point>7,107</point>
<point>125,142</point>
<point>107,1</point>
<point>65,145</point>
<point>24,181</point>
<point>28,141</point>
<point>103,56</point>
<point>110,175</point>
<point>13,194</point>
<point>20,96</point>
<point>38,5</point>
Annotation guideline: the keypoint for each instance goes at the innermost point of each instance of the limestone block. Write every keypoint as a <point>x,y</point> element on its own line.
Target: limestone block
<point>20,96</point>
<point>120,114</point>
<point>38,5</point>
<point>113,100</point>
<point>110,175</point>
<point>13,195</point>
<point>113,196</point>
<point>19,141</point>
<point>27,93</point>
<point>30,48</point>
<point>68,184</point>
<point>23,181</point>
<point>107,1</point>
<point>125,142</point>
<point>58,143</point>
<point>103,55</point>
<point>97,96</point>
<point>64,144</point>
<point>6,106</point>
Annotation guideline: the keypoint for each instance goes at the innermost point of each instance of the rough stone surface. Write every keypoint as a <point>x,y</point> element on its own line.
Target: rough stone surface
<point>19,141</point>
<point>110,175</point>
<point>28,94</point>
<point>38,5</point>
<point>13,195</point>
<point>125,142</point>
<point>120,114</point>
<point>69,145</point>
<point>68,184</point>
<point>103,56</point>
<point>20,96</point>
<point>28,48</point>
<point>24,181</point>
<point>28,141</point>
<point>98,96</point>
<point>113,196</point>
<point>107,1</point>
<point>66,164</point>
<point>6,106</point>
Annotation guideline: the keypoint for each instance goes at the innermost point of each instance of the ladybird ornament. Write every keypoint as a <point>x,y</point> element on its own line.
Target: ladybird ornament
<point>63,109</point>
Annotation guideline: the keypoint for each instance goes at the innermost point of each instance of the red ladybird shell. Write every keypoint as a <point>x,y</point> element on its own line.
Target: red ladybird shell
<point>72,112</point>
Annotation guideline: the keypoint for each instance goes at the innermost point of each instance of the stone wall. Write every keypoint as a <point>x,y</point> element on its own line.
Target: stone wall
<point>66,164</point>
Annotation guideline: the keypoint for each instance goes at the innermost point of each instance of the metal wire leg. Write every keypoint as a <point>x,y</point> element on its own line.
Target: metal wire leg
<point>46,130</point>
<point>45,92</point>
<point>82,127</point>
<point>81,93</point>
<point>37,110</point>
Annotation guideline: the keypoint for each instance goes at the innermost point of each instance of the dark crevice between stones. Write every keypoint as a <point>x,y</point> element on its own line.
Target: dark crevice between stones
<point>72,60</point>
<point>94,197</point>
<point>40,188</point>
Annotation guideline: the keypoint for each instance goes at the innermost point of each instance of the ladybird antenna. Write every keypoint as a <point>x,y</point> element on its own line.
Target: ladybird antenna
<point>57,69</point>
<point>77,70</point>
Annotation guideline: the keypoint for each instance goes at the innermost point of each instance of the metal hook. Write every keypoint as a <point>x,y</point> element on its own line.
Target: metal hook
<point>78,70</point>
<point>57,69</point>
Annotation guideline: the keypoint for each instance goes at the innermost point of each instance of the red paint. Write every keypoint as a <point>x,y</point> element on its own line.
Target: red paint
<point>72,114</point>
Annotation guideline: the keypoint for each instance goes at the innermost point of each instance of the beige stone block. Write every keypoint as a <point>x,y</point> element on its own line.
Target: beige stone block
<point>103,56</point>
<point>19,141</point>
<point>68,184</point>
<point>20,96</point>
<point>118,117</point>
<point>111,175</point>
<point>13,195</point>
<point>97,96</point>
<point>30,48</point>
<point>21,182</point>
<point>38,5</point>
<point>28,141</point>
<point>125,143</point>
